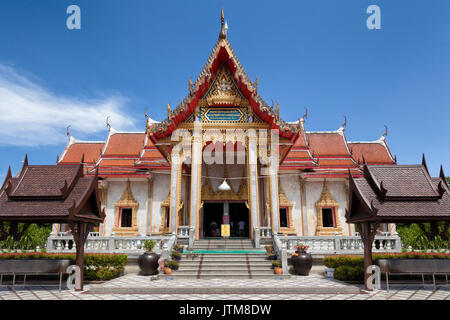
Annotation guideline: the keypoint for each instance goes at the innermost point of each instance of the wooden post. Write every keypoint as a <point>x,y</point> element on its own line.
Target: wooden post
<point>80,231</point>
<point>367,232</point>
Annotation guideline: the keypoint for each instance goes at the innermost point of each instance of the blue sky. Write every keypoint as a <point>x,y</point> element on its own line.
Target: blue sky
<point>137,55</point>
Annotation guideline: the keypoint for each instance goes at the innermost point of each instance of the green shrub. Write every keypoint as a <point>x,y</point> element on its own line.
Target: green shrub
<point>34,236</point>
<point>351,267</point>
<point>97,266</point>
<point>412,236</point>
<point>349,273</point>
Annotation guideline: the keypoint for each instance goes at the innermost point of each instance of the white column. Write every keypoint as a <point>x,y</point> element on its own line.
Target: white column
<point>196,177</point>
<point>175,186</point>
<point>253,179</point>
<point>273,171</point>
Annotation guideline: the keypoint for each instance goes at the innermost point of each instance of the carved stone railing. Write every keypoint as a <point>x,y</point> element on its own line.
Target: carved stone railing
<point>280,248</point>
<point>183,232</point>
<point>187,232</point>
<point>168,247</point>
<point>265,232</point>
<point>341,244</point>
<point>128,245</point>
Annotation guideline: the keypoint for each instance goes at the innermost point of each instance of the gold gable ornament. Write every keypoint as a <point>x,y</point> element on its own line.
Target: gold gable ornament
<point>224,91</point>
<point>126,201</point>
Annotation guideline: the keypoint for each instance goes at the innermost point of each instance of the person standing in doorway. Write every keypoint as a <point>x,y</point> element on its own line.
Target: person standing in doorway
<point>241,228</point>
<point>213,226</point>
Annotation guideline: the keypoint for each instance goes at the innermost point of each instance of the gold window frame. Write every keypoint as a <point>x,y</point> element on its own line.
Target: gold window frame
<point>126,201</point>
<point>327,201</point>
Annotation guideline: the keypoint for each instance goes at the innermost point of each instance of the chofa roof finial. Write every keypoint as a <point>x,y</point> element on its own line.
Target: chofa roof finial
<point>108,124</point>
<point>345,122</point>
<point>223,26</point>
<point>306,114</point>
<point>385,131</point>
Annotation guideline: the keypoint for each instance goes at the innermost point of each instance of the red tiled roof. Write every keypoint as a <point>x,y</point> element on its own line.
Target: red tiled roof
<point>76,150</point>
<point>373,152</point>
<point>124,144</point>
<point>327,144</point>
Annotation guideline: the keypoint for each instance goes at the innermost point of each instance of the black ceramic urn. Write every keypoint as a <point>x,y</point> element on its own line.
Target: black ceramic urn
<point>148,263</point>
<point>302,263</point>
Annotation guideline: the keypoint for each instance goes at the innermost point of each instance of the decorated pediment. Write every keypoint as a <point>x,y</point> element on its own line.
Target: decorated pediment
<point>224,91</point>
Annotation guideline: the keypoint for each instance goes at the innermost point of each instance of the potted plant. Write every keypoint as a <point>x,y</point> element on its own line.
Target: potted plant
<point>176,255</point>
<point>148,261</point>
<point>170,265</point>
<point>167,268</point>
<point>276,265</point>
<point>301,260</point>
<point>270,254</point>
<point>178,248</point>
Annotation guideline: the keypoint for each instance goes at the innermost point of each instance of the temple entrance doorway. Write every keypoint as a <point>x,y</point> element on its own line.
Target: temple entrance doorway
<point>239,213</point>
<point>213,213</point>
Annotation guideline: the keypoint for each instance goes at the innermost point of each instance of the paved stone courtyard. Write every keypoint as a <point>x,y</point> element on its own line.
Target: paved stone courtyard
<point>397,292</point>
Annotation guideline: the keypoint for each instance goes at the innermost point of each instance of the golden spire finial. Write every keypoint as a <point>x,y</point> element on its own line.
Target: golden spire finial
<point>223,26</point>
<point>169,110</point>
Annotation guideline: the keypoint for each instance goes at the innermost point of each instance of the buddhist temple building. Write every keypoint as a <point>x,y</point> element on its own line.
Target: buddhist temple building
<point>224,155</point>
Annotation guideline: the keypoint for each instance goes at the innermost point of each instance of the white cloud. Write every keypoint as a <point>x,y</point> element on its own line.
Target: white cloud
<point>32,115</point>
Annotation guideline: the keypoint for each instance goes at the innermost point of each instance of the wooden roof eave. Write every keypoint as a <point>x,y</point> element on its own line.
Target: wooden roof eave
<point>74,210</point>
<point>370,209</point>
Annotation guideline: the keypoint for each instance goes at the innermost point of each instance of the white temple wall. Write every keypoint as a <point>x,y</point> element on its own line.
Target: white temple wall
<point>291,187</point>
<point>313,192</point>
<point>116,188</point>
<point>161,188</point>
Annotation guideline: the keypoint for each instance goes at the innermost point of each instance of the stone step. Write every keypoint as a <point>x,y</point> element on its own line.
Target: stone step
<point>219,260</point>
<point>222,270</point>
<point>225,264</point>
<point>219,246</point>
<point>224,254</point>
<point>224,276</point>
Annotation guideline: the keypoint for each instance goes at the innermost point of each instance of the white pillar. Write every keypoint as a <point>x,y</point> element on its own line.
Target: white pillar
<point>196,177</point>
<point>253,179</point>
<point>175,188</point>
<point>273,171</point>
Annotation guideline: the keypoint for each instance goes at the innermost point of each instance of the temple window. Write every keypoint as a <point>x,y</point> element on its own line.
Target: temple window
<point>328,223</point>
<point>126,214</point>
<point>285,213</point>
<point>328,220</point>
<point>284,223</point>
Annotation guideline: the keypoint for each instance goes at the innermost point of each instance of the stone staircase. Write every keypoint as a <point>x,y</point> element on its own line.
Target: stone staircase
<point>219,258</point>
